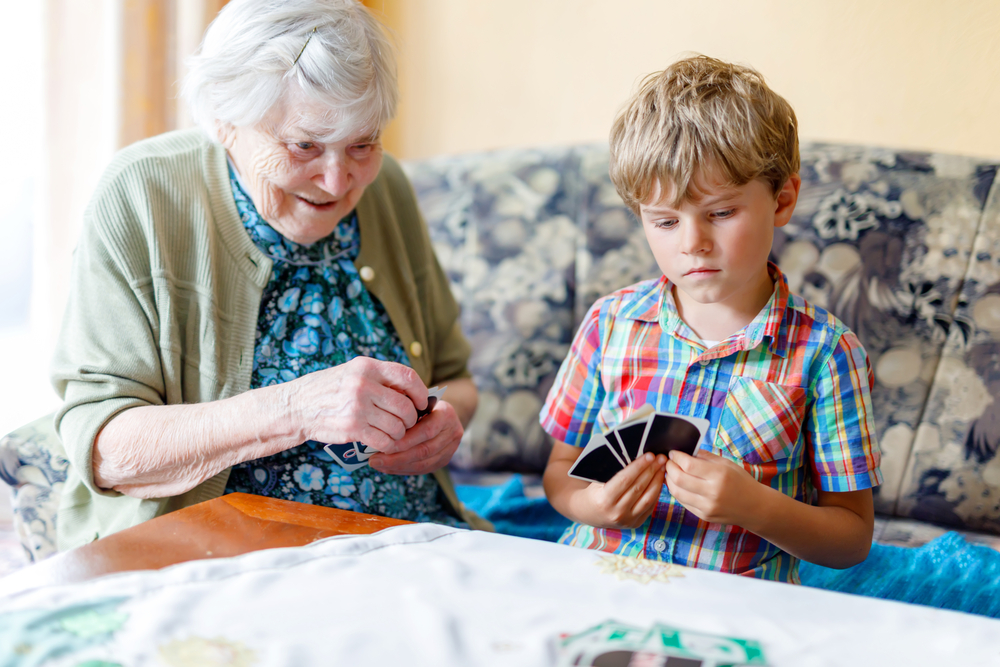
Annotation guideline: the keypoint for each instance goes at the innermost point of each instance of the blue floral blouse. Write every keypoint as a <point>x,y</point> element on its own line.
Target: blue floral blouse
<point>316,313</point>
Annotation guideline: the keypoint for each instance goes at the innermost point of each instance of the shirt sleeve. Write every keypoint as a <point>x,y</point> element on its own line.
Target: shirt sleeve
<point>840,428</point>
<point>575,399</point>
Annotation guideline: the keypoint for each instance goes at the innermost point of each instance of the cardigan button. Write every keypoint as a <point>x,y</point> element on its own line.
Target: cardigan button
<point>367,274</point>
<point>416,349</point>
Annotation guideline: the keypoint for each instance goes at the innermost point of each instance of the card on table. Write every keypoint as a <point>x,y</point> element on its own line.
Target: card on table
<point>615,643</point>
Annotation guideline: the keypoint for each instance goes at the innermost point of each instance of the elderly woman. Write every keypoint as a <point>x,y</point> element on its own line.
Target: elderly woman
<point>245,292</point>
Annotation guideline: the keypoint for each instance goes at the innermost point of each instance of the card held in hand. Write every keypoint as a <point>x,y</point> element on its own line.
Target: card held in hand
<point>597,462</point>
<point>668,432</point>
<point>345,455</point>
<point>363,452</point>
<point>646,430</point>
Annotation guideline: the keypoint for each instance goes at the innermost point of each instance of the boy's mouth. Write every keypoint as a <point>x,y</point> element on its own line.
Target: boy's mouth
<point>700,271</point>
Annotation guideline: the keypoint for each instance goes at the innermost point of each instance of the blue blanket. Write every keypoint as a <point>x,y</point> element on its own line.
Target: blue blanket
<point>948,572</point>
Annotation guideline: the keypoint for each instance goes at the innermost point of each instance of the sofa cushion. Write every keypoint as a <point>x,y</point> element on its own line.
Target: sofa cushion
<point>505,228</point>
<point>881,238</point>
<point>31,463</point>
<point>953,474</point>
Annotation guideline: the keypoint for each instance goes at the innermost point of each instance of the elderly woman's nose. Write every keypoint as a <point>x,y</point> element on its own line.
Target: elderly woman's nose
<point>334,175</point>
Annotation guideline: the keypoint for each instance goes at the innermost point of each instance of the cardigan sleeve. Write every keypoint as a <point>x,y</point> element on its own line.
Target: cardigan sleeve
<point>107,358</point>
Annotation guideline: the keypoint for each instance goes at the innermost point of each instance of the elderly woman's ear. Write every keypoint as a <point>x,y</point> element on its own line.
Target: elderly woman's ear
<point>226,134</point>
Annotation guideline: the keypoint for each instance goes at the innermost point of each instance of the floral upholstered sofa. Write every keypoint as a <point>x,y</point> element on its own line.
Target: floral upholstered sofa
<point>902,246</point>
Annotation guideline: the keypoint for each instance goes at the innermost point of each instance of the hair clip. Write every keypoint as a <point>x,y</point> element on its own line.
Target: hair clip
<point>303,49</point>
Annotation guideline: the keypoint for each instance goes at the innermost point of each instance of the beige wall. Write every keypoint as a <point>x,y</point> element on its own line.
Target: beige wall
<point>922,74</point>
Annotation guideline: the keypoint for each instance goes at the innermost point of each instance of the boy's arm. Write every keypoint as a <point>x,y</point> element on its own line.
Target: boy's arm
<point>837,532</point>
<point>626,501</point>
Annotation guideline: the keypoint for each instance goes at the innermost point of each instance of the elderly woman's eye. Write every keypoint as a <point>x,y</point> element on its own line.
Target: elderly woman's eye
<point>362,149</point>
<point>305,145</point>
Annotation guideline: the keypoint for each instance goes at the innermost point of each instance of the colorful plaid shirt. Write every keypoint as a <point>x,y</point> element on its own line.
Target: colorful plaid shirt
<point>787,396</point>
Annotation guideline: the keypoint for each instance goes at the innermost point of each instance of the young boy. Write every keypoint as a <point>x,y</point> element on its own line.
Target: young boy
<point>707,156</point>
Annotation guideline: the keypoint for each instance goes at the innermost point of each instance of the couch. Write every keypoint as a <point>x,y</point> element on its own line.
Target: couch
<point>903,246</point>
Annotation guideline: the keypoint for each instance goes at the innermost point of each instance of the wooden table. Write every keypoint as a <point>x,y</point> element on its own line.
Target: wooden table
<point>228,526</point>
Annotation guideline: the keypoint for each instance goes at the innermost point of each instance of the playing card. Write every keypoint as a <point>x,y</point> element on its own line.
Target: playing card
<point>580,649</point>
<point>345,455</point>
<point>631,430</point>
<point>598,461</point>
<point>363,452</point>
<point>667,432</point>
<point>614,644</point>
<point>433,394</point>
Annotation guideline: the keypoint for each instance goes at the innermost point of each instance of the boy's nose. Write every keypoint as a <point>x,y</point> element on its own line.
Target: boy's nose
<point>696,238</point>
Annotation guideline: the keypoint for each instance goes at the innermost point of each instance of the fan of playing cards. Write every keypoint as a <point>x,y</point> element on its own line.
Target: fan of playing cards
<point>646,430</point>
<point>353,455</point>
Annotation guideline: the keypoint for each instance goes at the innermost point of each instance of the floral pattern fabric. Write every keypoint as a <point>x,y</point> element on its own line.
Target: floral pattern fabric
<point>903,247</point>
<point>315,313</point>
<point>32,465</point>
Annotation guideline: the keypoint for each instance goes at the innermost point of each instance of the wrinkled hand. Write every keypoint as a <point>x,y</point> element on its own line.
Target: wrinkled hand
<point>712,487</point>
<point>628,498</point>
<point>424,448</point>
<point>363,400</point>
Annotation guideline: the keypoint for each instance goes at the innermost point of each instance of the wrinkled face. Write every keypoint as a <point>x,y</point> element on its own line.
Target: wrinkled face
<point>299,184</point>
<point>714,247</point>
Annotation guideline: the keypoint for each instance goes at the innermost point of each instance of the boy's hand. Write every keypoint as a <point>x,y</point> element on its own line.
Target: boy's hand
<point>626,501</point>
<point>628,498</point>
<point>712,487</point>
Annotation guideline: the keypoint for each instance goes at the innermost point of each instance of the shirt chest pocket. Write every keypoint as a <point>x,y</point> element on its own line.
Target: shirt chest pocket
<point>761,421</point>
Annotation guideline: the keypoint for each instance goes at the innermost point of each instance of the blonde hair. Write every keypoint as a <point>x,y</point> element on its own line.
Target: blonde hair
<point>701,113</point>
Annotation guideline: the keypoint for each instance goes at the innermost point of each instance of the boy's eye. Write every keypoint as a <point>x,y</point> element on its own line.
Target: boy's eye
<point>725,214</point>
<point>669,223</point>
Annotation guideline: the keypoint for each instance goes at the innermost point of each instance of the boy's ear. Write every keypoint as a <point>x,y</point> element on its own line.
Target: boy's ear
<point>786,199</point>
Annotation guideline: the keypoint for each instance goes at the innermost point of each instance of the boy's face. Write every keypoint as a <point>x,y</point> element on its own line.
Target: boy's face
<point>714,246</point>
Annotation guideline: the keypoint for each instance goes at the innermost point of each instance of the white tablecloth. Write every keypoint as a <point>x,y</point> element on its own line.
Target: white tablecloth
<point>431,595</point>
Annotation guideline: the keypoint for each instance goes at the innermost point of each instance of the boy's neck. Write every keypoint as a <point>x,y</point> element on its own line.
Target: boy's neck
<point>720,320</point>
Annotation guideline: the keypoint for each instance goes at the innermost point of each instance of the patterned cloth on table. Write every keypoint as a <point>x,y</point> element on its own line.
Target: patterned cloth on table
<point>316,313</point>
<point>787,396</point>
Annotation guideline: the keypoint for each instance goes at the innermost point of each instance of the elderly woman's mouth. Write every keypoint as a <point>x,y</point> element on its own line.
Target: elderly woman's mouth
<point>316,204</point>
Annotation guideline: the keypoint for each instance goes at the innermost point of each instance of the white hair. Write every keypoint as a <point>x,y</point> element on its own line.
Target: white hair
<point>256,52</point>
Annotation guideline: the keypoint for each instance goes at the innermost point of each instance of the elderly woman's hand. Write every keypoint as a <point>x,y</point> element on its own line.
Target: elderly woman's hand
<point>364,400</point>
<point>426,447</point>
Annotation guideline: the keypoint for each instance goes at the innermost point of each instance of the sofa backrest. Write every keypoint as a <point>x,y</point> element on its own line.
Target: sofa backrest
<point>903,247</point>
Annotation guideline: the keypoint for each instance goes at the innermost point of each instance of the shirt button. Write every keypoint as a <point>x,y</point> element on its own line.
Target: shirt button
<point>416,349</point>
<point>367,274</point>
<point>660,546</point>
<point>703,362</point>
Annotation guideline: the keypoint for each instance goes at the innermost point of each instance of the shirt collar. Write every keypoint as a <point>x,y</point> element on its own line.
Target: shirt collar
<point>655,303</point>
<point>644,304</point>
